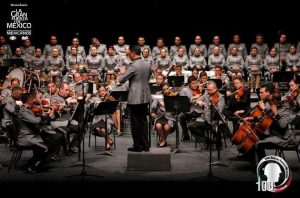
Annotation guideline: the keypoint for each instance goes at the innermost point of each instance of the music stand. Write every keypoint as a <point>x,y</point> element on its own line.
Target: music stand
<point>3,72</point>
<point>218,82</point>
<point>176,81</point>
<point>283,77</point>
<point>154,88</point>
<point>106,109</point>
<point>122,96</point>
<point>210,175</point>
<point>176,105</point>
<point>79,111</point>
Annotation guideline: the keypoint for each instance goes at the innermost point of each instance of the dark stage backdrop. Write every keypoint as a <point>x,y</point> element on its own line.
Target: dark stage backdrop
<point>107,19</point>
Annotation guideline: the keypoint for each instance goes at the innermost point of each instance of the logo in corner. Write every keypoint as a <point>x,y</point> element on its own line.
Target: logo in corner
<point>273,174</point>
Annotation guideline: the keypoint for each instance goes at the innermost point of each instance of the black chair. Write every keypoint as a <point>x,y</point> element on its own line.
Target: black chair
<point>17,154</point>
<point>292,146</point>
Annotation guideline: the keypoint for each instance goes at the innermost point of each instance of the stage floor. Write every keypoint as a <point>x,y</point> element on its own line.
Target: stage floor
<point>188,166</point>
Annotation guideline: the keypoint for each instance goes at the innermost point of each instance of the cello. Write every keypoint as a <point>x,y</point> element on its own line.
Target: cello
<point>249,133</point>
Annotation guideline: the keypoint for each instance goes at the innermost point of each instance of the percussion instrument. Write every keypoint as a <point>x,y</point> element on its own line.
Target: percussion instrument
<point>28,80</point>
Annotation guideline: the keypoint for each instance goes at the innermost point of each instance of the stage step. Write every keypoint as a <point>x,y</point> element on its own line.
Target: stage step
<point>157,159</point>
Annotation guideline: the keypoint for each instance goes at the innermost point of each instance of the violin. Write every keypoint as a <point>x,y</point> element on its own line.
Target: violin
<point>172,94</point>
<point>239,93</point>
<point>198,90</point>
<point>215,98</point>
<point>292,95</point>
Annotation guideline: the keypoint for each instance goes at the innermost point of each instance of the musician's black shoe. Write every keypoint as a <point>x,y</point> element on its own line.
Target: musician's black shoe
<point>31,170</point>
<point>135,149</point>
<point>73,150</point>
<point>146,149</point>
<point>185,138</point>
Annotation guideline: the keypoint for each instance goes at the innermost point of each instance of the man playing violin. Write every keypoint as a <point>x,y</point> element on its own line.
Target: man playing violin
<point>209,116</point>
<point>238,102</point>
<point>193,93</point>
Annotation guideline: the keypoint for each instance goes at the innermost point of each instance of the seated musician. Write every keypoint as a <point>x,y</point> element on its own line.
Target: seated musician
<point>29,134</point>
<point>7,91</point>
<point>294,103</point>
<point>220,75</point>
<point>195,73</point>
<point>203,77</point>
<point>11,108</point>
<point>263,105</point>
<point>159,80</point>
<point>51,90</point>
<point>207,117</point>
<point>178,70</point>
<point>98,126</point>
<point>238,103</point>
<point>277,134</point>
<point>3,55</point>
<point>164,122</point>
<point>193,93</point>
<point>62,123</point>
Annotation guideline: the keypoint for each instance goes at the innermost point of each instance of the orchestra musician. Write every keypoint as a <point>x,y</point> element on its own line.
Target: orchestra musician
<point>164,122</point>
<point>98,126</point>
<point>263,105</point>
<point>211,103</point>
<point>294,103</point>
<point>11,108</point>
<point>62,122</point>
<point>238,103</point>
<point>193,93</point>
<point>220,75</point>
<point>277,134</point>
<point>7,91</point>
<point>29,134</point>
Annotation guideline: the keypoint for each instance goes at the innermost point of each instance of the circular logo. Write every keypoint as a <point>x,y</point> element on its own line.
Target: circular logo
<point>273,174</point>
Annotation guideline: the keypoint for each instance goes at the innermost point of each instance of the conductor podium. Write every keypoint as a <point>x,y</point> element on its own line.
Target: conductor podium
<point>157,159</point>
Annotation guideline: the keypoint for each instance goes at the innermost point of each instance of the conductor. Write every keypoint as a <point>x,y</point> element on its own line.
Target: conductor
<point>138,74</point>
